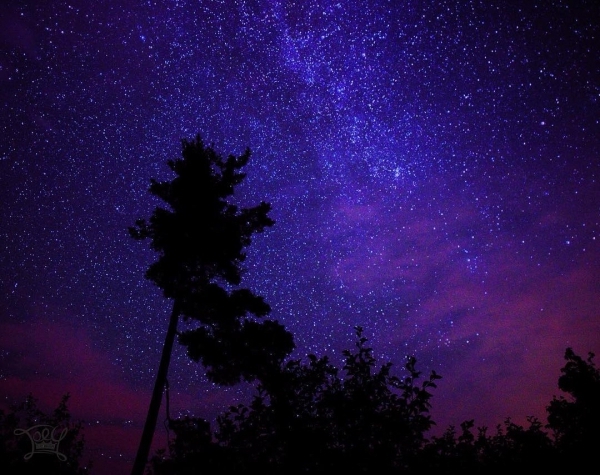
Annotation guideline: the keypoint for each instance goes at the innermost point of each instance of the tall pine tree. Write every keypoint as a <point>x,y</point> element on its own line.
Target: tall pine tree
<point>200,240</point>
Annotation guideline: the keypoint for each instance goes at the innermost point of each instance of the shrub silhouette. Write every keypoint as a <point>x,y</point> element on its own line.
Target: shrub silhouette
<point>308,418</point>
<point>575,422</point>
<point>311,418</point>
<point>512,447</point>
<point>14,447</point>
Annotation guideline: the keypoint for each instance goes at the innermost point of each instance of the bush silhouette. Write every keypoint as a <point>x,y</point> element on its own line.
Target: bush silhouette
<point>575,421</point>
<point>311,417</point>
<point>16,452</point>
<point>308,418</point>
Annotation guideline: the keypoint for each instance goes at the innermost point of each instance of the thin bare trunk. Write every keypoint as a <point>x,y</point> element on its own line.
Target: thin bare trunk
<point>146,441</point>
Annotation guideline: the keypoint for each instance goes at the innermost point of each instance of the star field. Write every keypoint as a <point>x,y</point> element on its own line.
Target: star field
<point>432,166</point>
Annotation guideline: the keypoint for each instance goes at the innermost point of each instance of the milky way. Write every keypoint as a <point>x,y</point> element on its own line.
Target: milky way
<point>432,166</point>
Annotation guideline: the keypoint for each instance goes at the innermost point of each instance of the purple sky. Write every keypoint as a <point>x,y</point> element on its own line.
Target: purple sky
<point>433,169</point>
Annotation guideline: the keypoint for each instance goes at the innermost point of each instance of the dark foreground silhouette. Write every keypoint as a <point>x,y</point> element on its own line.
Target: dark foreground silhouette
<point>307,416</point>
<point>313,418</point>
<point>23,430</point>
<point>200,236</point>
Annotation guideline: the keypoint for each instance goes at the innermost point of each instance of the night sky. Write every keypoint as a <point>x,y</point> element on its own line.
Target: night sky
<point>432,166</point>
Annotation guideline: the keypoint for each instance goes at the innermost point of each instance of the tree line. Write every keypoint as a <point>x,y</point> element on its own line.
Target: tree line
<point>307,416</point>
<point>364,419</point>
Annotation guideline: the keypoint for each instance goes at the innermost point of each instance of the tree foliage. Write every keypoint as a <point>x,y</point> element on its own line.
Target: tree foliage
<point>314,418</point>
<point>512,447</point>
<point>15,445</point>
<point>575,421</point>
<point>200,238</point>
<point>309,418</point>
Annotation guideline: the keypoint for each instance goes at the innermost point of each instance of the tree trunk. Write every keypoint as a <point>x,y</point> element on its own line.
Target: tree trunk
<point>146,441</point>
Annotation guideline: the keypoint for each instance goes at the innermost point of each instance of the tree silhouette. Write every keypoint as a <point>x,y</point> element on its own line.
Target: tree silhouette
<point>309,419</point>
<point>200,240</point>
<point>313,418</point>
<point>15,445</point>
<point>575,422</point>
<point>512,448</point>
